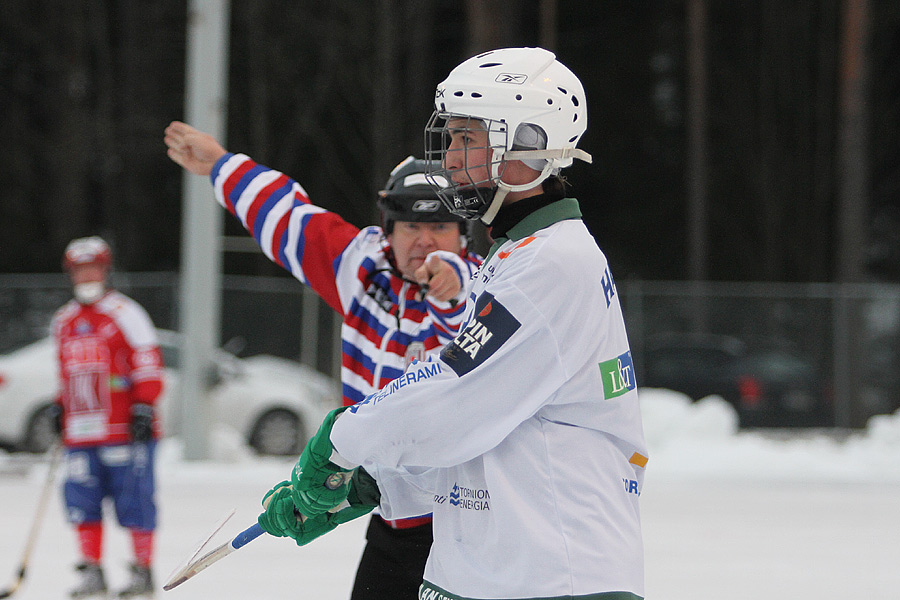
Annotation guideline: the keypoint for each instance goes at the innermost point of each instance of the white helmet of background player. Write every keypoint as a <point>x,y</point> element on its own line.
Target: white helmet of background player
<point>534,110</point>
<point>88,251</point>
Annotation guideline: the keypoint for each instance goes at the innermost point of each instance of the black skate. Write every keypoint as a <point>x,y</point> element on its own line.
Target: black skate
<point>141,585</point>
<point>93,584</point>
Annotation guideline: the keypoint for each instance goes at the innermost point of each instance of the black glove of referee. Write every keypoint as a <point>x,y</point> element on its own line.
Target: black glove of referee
<point>55,416</point>
<point>141,422</point>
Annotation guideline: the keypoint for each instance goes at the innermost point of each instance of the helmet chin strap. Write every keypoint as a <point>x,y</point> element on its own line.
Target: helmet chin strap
<point>549,154</point>
<point>504,188</point>
<point>496,203</point>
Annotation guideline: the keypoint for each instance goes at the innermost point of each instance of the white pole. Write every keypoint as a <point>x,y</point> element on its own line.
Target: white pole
<point>201,257</point>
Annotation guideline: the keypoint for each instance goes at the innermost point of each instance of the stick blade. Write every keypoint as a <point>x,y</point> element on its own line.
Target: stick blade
<point>181,569</point>
<point>20,577</point>
<point>195,566</point>
<point>173,584</point>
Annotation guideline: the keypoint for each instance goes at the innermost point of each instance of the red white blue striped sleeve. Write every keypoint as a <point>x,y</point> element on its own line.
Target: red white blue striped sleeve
<point>277,212</point>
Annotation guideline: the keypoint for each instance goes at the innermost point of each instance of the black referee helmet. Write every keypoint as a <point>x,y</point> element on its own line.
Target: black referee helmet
<point>407,196</point>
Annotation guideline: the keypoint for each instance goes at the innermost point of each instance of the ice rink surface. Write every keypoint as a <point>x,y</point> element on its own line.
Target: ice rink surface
<point>726,515</point>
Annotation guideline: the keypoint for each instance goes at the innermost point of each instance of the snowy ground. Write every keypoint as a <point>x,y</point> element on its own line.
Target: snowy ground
<point>726,515</point>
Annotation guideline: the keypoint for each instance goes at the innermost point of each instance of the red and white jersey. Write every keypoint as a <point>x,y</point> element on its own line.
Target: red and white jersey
<point>387,321</point>
<point>109,359</point>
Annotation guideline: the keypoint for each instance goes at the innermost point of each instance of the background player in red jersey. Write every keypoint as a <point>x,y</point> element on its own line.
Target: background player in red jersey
<point>110,378</point>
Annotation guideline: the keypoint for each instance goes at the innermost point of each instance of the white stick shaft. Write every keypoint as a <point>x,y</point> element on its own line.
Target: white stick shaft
<point>56,453</point>
<point>215,555</point>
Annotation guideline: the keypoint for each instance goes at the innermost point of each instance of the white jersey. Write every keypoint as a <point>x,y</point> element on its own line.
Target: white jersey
<point>524,437</point>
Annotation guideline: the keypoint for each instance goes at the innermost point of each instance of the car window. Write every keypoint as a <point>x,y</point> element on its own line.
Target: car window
<point>777,365</point>
<point>16,346</point>
<point>674,362</point>
<point>170,355</point>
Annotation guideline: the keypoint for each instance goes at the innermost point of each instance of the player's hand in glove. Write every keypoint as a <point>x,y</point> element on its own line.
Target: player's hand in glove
<point>55,416</point>
<point>362,496</point>
<point>282,519</point>
<point>318,484</point>
<point>141,422</point>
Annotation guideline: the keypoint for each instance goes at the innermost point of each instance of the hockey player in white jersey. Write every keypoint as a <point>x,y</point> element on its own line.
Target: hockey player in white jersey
<point>524,437</point>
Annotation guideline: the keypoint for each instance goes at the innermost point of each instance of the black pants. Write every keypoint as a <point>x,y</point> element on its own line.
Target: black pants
<point>392,563</point>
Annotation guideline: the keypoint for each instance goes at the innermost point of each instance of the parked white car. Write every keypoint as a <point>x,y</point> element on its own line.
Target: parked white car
<point>275,404</point>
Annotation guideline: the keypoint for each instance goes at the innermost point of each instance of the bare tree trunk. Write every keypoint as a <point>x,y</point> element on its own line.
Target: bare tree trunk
<point>697,162</point>
<point>387,113</point>
<point>549,24</point>
<point>854,193</point>
<point>491,24</point>
<point>770,143</point>
<point>822,171</point>
<point>68,127</point>
<point>854,182</point>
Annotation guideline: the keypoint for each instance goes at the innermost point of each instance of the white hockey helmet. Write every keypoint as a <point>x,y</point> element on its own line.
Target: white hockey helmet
<point>533,108</point>
<point>87,250</point>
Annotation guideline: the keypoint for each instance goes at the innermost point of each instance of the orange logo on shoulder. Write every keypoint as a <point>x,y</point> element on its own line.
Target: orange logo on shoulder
<point>486,310</point>
<point>522,244</point>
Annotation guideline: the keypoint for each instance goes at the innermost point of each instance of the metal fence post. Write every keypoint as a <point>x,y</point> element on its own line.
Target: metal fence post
<point>309,336</point>
<point>336,351</point>
<point>633,307</point>
<point>841,357</point>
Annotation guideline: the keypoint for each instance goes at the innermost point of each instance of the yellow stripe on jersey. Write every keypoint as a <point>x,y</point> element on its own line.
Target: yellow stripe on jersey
<point>639,460</point>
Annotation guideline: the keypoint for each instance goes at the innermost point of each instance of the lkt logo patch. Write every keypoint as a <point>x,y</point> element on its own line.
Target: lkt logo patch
<point>618,375</point>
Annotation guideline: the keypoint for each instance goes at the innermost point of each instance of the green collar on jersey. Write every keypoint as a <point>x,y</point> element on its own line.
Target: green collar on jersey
<point>429,591</point>
<point>561,210</point>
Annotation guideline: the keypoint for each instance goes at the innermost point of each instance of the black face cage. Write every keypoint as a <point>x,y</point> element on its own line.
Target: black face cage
<point>464,196</point>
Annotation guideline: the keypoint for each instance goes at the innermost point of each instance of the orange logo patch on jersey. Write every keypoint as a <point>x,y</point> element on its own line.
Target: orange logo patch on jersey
<point>522,244</point>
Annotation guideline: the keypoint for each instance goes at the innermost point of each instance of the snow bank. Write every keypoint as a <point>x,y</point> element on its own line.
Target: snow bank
<point>701,441</point>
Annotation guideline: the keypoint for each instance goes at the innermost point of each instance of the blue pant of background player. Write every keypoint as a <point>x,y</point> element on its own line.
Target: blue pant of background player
<point>123,473</point>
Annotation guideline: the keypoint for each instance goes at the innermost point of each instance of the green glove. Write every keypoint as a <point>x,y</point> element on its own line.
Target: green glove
<point>282,519</point>
<point>318,484</point>
<point>362,496</point>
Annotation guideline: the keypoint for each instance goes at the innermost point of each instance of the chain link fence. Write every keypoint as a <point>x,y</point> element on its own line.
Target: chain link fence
<point>843,340</point>
<point>260,315</point>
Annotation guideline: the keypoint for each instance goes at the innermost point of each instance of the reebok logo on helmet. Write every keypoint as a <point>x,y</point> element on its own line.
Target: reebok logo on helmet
<point>426,206</point>
<point>516,78</point>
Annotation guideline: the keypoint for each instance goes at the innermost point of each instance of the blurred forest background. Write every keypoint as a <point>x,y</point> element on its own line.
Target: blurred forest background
<point>779,156</point>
